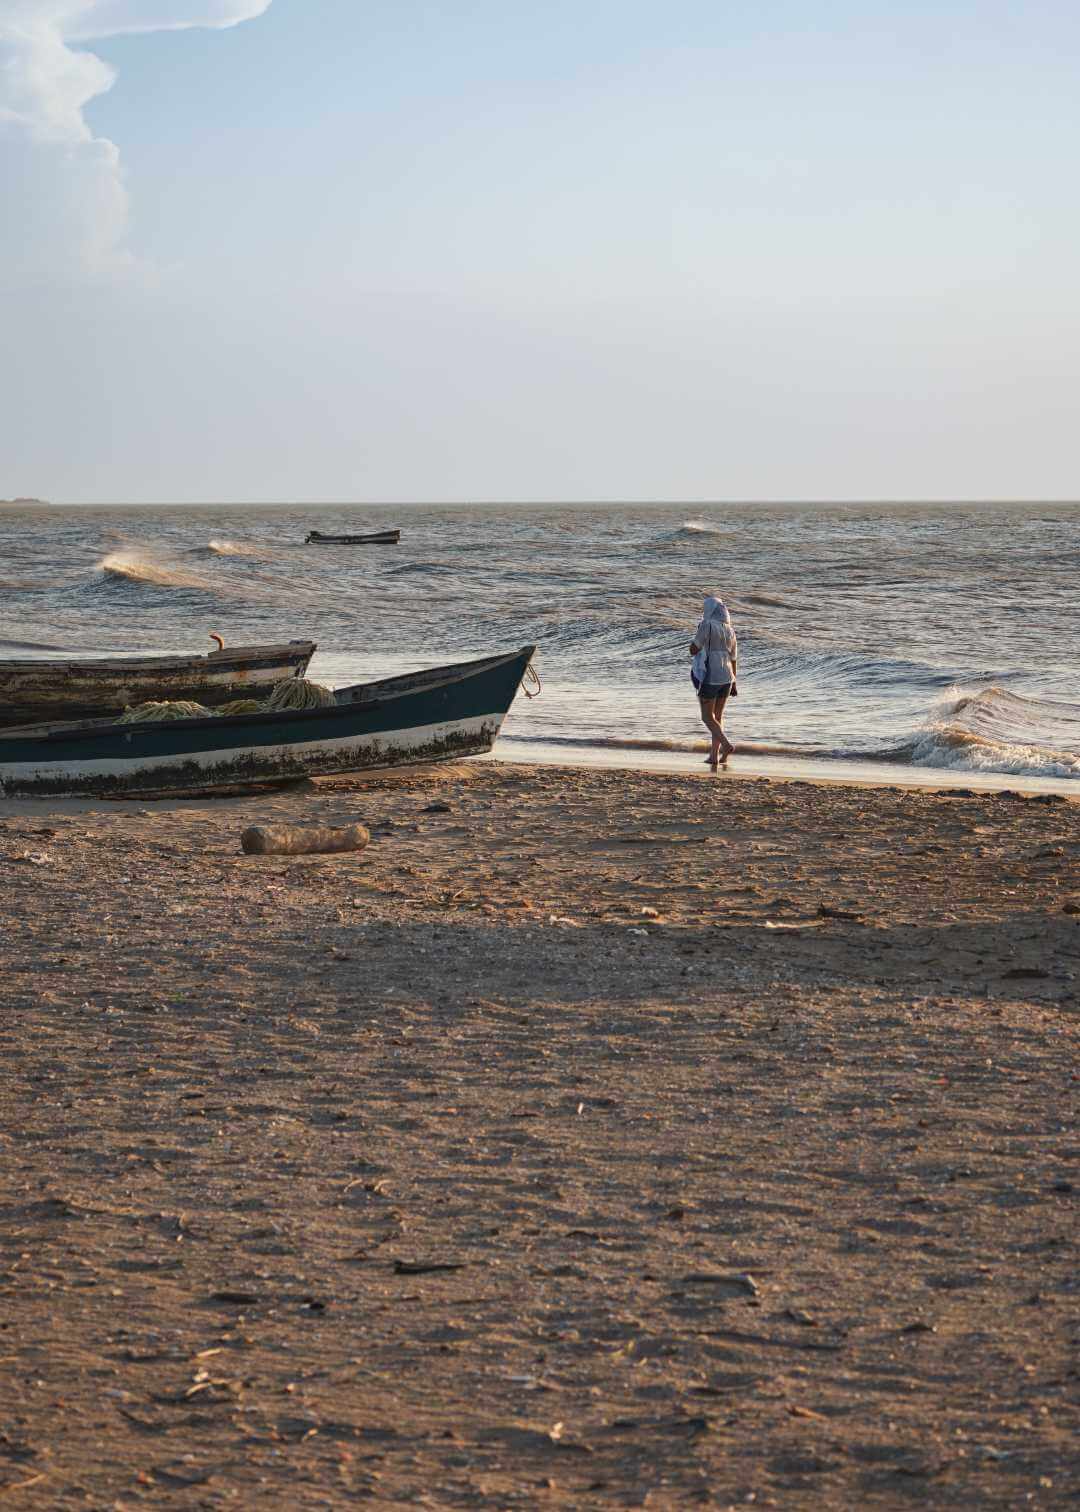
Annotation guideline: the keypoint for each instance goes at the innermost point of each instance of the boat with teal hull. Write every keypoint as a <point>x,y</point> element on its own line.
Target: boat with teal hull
<point>439,714</point>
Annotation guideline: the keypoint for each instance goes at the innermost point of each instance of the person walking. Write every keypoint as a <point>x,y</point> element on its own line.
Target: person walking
<point>715,653</point>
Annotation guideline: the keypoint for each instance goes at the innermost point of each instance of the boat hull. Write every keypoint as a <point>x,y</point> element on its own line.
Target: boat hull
<point>440,715</point>
<point>376,538</point>
<point>34,691</point>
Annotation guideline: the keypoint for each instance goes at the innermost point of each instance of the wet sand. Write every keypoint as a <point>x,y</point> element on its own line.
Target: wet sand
<point>757,761</point>
<point>591,1139</point>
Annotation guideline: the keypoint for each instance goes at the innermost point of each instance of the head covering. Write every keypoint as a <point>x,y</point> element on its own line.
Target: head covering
<point>716,609</point>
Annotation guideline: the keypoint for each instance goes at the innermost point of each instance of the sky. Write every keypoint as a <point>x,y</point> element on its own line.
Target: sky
<point>388,250</point>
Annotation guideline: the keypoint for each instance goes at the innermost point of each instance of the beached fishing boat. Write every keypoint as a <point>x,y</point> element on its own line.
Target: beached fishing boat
<point>376,538</point>
<point>437,715</point>
<point>31,691</point>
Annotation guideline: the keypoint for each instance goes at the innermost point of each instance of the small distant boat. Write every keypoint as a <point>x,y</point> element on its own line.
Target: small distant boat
<point>32,691</point>
<point>376,538</point>
<point>437,715</point>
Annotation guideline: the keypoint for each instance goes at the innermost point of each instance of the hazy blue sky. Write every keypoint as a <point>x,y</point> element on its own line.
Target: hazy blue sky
<point>385,249</point>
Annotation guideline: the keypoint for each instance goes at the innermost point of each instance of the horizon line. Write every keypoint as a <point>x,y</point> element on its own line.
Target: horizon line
<point>493,503</point>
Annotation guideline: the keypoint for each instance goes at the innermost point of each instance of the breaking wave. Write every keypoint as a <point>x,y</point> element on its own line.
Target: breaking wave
<point>961,750</point>
<point>127,567</point>
<point>225,548</point>
<point>992,730</point>
<point>702,527</point>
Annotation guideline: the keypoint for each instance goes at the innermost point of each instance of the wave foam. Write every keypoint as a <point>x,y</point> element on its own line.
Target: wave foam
<point>126,567</point>
<point>215,547</point>
<point>702,527</point>
<point>991,729</point>
<point>963,750</point>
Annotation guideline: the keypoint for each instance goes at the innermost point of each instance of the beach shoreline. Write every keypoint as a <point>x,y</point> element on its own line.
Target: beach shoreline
<point>750,764</point>
<point>595,1137</point>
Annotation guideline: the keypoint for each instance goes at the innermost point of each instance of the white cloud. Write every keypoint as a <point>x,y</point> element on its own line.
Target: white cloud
<point>114,18</point>
<point>66,206</point>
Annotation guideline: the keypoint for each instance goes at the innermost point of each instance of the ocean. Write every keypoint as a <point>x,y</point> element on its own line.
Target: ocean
<point>873,638</point>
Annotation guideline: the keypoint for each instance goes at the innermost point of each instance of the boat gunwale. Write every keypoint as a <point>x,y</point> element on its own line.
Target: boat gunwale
<point>118,664</point>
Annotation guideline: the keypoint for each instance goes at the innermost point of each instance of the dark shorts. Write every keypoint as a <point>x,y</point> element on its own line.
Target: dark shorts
<point>709,691</point>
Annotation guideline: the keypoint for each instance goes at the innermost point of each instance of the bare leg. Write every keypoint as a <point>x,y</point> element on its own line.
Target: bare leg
<point>726,746</point>
<point>712,724</point>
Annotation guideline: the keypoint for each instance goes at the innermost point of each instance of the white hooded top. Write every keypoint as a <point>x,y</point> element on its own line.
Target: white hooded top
<point>716,643</point>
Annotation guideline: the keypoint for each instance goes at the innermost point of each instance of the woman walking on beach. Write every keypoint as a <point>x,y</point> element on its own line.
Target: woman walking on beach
<point>715,652</point>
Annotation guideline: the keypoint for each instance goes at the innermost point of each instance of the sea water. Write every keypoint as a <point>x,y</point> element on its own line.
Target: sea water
<point>936,639</point>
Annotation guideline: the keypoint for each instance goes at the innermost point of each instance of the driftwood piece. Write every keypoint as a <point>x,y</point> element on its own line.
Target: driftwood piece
<point>301,840</point>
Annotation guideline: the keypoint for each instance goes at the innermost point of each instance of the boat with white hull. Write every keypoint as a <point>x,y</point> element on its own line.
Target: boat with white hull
<point>439,714</point>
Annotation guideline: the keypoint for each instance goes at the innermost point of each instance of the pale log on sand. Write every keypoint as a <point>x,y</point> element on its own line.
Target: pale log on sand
<point>301,840</point>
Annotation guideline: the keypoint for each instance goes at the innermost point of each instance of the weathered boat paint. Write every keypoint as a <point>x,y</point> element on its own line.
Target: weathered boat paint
<point>34,691</point>
<point>437,715</point>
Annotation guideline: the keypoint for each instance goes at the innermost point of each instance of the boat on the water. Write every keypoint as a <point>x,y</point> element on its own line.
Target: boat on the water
<point>375,538</point>
<point>436,715</point>
<point>32,691</point>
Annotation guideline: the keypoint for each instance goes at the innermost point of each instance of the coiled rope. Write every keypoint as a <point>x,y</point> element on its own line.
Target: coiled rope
<point>152,713</point>
<point>294,693</point>
<point>238,706</point>
<point>298,693</point>
<point>531,670</point>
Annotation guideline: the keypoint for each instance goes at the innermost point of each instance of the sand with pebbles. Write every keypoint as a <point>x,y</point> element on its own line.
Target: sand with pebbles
<point>591,1139</point>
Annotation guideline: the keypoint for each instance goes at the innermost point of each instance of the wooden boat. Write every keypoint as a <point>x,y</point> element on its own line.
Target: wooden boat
<point>376,538</point>
<point>31,691</point>
<point>437,715</point>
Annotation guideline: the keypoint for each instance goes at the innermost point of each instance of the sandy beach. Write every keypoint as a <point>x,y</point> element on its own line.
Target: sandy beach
<point>593,1138</point>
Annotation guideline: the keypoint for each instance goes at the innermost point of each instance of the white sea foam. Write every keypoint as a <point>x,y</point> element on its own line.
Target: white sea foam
<point>230,548</point>
<point>959,750</point>
<point>130,567</point>
<point>703,527</point>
